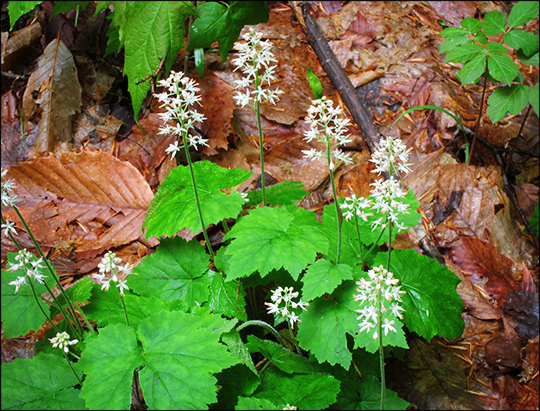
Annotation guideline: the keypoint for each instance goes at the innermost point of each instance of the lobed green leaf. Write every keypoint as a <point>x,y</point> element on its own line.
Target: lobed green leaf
<point>323,277</point>
<point>284,193</point>
<point>177,272</point>
<point>272,238</point>
<point>432,305</point>
<point>173,207</point>
<point>257,404</point>
<point>305,391</point>
<point>41,383</point>
<point>17,9</point>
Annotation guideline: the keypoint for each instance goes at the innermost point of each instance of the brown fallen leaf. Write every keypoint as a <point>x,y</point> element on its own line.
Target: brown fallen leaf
<point>89,198</point>
<point>58,95</point>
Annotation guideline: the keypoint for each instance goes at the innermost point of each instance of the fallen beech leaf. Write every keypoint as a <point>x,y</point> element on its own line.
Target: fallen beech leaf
<point>59,96</point>
<point>88,197</point>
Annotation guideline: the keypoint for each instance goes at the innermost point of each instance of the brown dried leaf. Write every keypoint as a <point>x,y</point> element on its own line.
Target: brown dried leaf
<point>89,198</point>
<point>58,95</point>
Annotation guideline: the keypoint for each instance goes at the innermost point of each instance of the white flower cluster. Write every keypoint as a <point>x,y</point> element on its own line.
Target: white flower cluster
<point>62,341</point>
<point>178,101</point>
<point>355,206</point>
<point>285,295</point>
<point>392,155</point>
<point>31,264</point>
<point>382,286</point>
<point>328,127</point>
<point>290,407</point>
<point>110,270</point>
<point>7,186</point>
<point>253,55</point>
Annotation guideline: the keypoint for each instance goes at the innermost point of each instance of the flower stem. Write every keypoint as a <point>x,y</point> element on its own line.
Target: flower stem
<point>72,370</point>
<point>381,347</point>
<point>41,308</point>
<point>264,325</point>
<point>51,271</point>
<point>261,148</point>
<point>293,339</point>
<point>194,184</point>
<point>359,242</point>
<point>338,212</point>
<point>125,309</point>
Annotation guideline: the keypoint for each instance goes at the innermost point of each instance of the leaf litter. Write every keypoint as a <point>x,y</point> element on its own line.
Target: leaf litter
<point>95,199</point>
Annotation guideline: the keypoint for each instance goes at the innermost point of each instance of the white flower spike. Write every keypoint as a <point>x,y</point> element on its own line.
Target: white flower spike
<point>286,296</point>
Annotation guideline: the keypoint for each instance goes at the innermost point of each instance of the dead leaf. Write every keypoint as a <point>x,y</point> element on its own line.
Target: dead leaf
<point>58,95</point>
<point>89,198</point>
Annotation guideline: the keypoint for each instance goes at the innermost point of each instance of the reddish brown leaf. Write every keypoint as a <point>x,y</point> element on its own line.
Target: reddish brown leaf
<point>89,198</point>
<point>481,259</point>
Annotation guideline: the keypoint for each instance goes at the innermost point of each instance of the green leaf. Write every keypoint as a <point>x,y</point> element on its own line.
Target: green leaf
<point>315,84</point>
<point>533,98</point>
<point>453,32</point>
<point>522,40</point>
<point>284,193</point>
<point>40,383</point>
<point>502,68</point>
<point>81,291</point>
<point>227,298</point>
<point>471,71</point>
<point>281,357</point>
<point>531,61</point>
<point>494,23</point>
<point>224,23</point>
<point>176,272</point>
<point>257,404</point>
<point>473,25</point>
<point>153,30</point>
<point>238,349</point>
<point>271,238</point>
<point>492,46</point>
<point>453,43</point>
<point>101,5</point>
<point>464,53</point>
<point>115,350</point>
<point>18,8</point>
<point>534,221</point>
<point>198,55</point>
<point>20,312</point>
<point>305,391</point>
<point>173,207</point>
<point>233,382</point>
<point>481,38</point>
<point>67,6</point>
<point>432,305</point>
<point>325,324</point>
<point>523,12</point>
<point>106,307</point>
<point>511,99</point>
<point>323,277</point>
<point>180,358</point>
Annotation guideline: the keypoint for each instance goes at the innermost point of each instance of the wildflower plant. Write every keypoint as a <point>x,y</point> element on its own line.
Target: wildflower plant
<point>255,60</point>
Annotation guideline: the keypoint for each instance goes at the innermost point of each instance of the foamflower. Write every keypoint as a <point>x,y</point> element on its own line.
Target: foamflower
<point>329,127</point>
<point>111,270</point>
<point>382,287</point>
<point>254,60</point>
<point>284,304</point>
<point>178,100</point>
<point>32,266</point>
<point>62,341</point>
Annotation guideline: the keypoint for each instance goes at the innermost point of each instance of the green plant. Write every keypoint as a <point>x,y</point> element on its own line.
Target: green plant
<point>176,330</point>
<point>490,59</point>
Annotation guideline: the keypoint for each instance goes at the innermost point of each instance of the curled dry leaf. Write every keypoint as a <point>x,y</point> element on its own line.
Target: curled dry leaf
<point>89,198</point>
<point>58,95</point>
